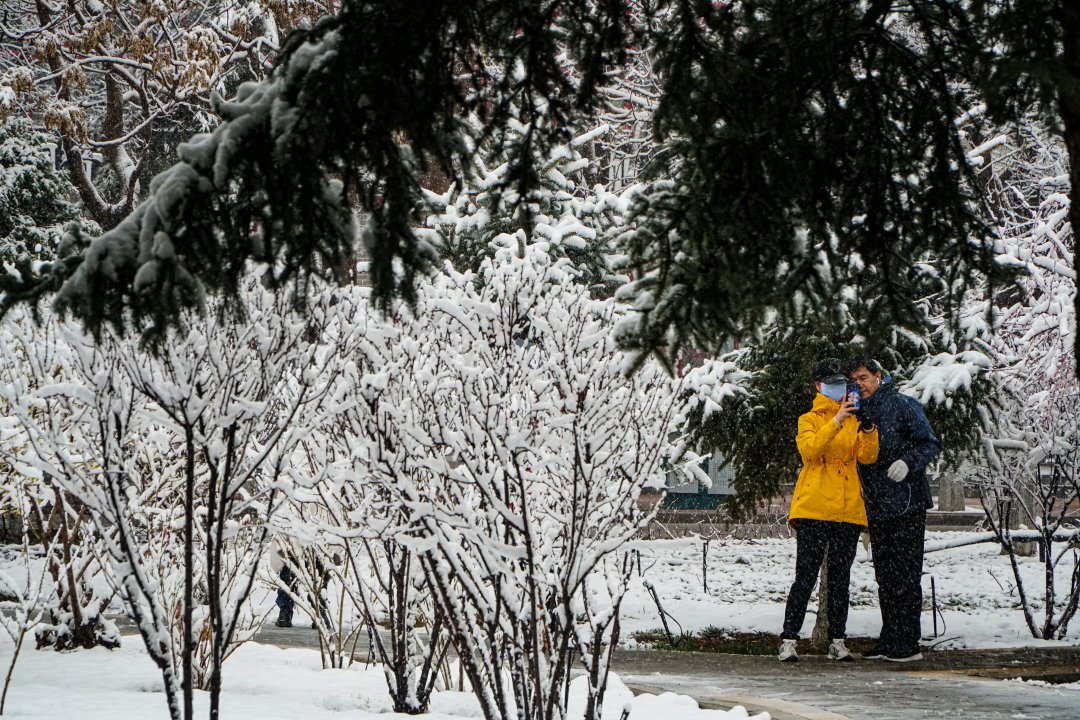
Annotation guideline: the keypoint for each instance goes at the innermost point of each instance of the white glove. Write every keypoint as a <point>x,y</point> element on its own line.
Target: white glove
<point>897,471</point>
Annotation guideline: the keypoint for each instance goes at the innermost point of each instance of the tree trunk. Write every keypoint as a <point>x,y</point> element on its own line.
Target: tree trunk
<point>1022,548</point>
<point>1028,497</point>
<point>187,648</point>
<point>11,526</point>
<point>11,669</point>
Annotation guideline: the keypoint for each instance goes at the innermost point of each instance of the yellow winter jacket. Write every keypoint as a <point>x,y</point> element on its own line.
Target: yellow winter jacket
<point>828,487</point>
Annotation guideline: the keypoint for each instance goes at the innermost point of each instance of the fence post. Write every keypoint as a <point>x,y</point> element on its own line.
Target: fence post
<point>705,566</point>
<point>663,615</point>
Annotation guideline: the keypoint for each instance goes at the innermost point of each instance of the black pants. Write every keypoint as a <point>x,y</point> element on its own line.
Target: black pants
<point>897,544</point>
<point>813,538</point>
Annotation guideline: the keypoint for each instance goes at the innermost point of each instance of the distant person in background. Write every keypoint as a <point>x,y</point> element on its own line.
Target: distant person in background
<point>283,564</point>
<point>827,510</point>
<point>897,493</point>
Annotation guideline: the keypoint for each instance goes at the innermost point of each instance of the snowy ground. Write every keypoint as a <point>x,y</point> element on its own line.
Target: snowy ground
<point>747,586</point>
<point>748,581</point>
<point>263,682</point>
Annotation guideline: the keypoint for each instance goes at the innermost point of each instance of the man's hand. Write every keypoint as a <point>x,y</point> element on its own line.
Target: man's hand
<point>897,471</point>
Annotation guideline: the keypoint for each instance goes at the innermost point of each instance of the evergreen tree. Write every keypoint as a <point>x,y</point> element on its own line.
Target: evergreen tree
<point>123,82</point>
<point>356,108</point>
<point>976,376</point>
<point>574,220</point>
<point>34,198</point>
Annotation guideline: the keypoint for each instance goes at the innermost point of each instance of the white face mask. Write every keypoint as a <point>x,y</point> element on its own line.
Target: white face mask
<point>834,391</point>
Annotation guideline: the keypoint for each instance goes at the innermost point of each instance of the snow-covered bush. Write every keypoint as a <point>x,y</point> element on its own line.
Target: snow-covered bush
<point>382,578</point>
<point>180,460</point>
<point>80,588</point>
<point>75,586</point>
<point>23,600</point>
<point>502,425</point>
<point>311,539</point>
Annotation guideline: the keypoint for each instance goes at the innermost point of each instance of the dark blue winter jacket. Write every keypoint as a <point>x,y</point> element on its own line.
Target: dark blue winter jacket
<point>904,434</point>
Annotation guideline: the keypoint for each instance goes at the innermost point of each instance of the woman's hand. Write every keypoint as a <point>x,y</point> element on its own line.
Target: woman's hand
<point>847,409</point>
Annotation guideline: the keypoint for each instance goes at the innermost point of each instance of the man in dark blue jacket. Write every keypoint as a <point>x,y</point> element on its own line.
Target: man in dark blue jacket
<point>897,495</point>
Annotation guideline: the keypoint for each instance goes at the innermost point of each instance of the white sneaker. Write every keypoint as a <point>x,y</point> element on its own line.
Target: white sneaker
<point>838,651</point>
<point>787,651</point>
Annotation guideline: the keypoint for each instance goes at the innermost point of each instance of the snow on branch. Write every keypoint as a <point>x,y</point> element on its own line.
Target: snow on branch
<point>942,375</point>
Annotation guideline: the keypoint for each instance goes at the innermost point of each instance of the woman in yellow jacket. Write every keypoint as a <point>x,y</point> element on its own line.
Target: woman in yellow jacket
<point>827,509</point>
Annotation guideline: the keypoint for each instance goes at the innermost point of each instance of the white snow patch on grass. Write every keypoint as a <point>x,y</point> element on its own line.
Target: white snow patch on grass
<point>748,582</point>
<point>268,683</point>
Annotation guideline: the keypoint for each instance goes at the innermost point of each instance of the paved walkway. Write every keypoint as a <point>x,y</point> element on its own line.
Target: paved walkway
<point>940,686</point>
<point>937,687</point>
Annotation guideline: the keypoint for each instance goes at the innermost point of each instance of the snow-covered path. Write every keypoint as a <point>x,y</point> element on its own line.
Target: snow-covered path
<point>864,690</point>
